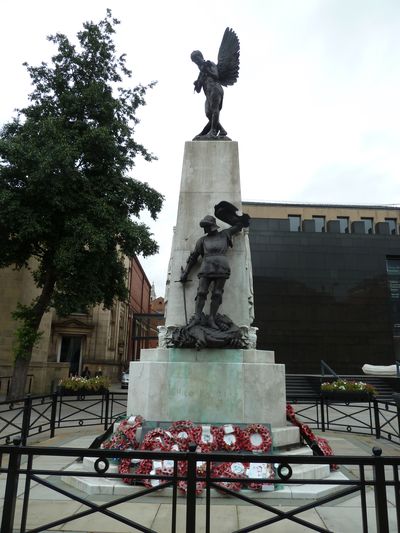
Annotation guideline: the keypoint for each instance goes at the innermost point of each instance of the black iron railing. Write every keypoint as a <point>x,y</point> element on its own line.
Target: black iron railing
<point>36,415</point>
<point>373,471</point>
<point>5,382</point>
<point>375,417</point>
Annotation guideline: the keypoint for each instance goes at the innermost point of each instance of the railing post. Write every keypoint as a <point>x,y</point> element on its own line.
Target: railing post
<point>26,419</point>
<point>322,403</point>
<point>107,408</point>
<point>376,418</point>
<point>10,495</point>
<point>191,490</point>
<point>53,415</point>
<point>381,511</point>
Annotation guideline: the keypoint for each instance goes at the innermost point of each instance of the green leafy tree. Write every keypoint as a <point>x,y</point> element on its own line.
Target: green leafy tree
<point>67,204</point>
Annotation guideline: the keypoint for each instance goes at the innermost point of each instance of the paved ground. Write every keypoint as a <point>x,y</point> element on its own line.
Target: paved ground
<point>227,514</point>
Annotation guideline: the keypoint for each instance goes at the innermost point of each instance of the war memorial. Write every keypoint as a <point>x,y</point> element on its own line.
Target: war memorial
<point>206,387</point>
<point>206,414</point>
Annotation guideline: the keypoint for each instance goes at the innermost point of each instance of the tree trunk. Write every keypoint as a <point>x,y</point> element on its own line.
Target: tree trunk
<point>21,364</point>
<point>18,379</point>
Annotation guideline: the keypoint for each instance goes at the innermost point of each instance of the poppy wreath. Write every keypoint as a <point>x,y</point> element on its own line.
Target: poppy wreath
<point>200,471</point>
<point>291,415</point>
<point>202,446</point>
<point>158,439</point>
<point>228,470</point>
<point>129,430</point>
<point>256,485</point>
<point>146,466</point>
<point>182,433</point>
<point>256,429</point>
<point>307,434</point>
<point>118,441</point>
<point>305,430</point>
<point>125,435</point>
<point>326,450</point>
<point>232,444</point>
<point>124,467</point>
<point>163,468</point>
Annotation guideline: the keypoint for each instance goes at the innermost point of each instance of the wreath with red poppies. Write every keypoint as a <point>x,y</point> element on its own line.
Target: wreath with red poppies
<point>319,445</point>
<point>182,433</point>
<point>307,434</point>
<point>256,438</point>
<point>291,415</point>
<point>230,470</point>
<point>201,467</point>
<point>125,435</point>
<point>125,467</point>
<point>326,450</point>
<point>158,440</point>
<point>129,430</point>
<point>229,438</point>
<point>205,443</point>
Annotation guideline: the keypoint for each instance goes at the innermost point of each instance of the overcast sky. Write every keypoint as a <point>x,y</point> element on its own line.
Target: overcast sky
<point>315,109</point>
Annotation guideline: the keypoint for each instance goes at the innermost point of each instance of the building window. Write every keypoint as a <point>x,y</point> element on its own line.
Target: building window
<point>295,222</point>
<point>392,225</point>
<point>344,224</point>
<point>369,224</point>
<point>319,223</point>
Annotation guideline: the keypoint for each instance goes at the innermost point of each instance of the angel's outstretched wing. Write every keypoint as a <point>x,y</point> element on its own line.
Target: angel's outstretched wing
<point>228,58</point>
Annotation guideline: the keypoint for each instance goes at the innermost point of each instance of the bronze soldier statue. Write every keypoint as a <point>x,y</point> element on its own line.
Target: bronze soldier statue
<point>215,269</point>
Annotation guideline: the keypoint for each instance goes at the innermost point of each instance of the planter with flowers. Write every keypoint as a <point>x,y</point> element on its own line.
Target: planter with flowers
<point>343,390</point>
<point>79,386</point>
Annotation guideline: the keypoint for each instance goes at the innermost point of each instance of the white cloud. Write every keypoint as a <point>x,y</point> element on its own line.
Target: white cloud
<point>315,109</point>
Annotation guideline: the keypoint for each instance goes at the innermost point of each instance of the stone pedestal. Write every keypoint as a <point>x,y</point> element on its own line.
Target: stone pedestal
<point>214,385</point>
<point>210,174</point>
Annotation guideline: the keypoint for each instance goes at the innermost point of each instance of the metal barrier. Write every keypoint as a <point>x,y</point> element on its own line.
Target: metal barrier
<point>5,382</point>
<point>373,417</point>
<point>35,415</point>
<point>24,460</point>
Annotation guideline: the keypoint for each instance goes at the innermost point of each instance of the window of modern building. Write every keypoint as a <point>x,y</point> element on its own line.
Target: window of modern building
<point>369,224</point>
<point>344,224</point>
<point>295,222</point>
<point>392,225</point>
<point>319,223</point>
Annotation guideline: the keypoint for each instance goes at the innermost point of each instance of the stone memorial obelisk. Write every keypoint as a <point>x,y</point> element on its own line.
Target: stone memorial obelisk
<point>205,371</point>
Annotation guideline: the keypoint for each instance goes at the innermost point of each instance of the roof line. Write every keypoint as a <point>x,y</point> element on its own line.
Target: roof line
<point>310,204</point>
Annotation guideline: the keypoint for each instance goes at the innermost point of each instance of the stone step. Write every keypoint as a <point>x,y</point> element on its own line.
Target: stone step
<point>96,486</point>
<point>285,436</point>
<point>297,450</point>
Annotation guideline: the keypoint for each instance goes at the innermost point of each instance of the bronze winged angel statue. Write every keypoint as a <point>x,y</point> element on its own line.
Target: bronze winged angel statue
<point>211,79</point>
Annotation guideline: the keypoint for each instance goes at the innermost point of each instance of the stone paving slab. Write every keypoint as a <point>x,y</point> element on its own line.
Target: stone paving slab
<point>348,520</point>
<point>250,515</point>
<point>143,513</point>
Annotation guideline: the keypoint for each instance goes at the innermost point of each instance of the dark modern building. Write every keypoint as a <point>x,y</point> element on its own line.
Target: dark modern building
<point>326,284</point>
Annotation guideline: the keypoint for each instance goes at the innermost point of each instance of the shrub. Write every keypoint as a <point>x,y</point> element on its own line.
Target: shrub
<point>344,385</point>
<point>79,384</point>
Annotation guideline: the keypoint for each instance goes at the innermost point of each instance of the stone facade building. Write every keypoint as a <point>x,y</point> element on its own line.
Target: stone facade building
<point>100,339</point>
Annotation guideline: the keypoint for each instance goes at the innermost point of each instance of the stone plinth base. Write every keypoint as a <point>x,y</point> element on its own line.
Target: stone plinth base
<point>213,385</point>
